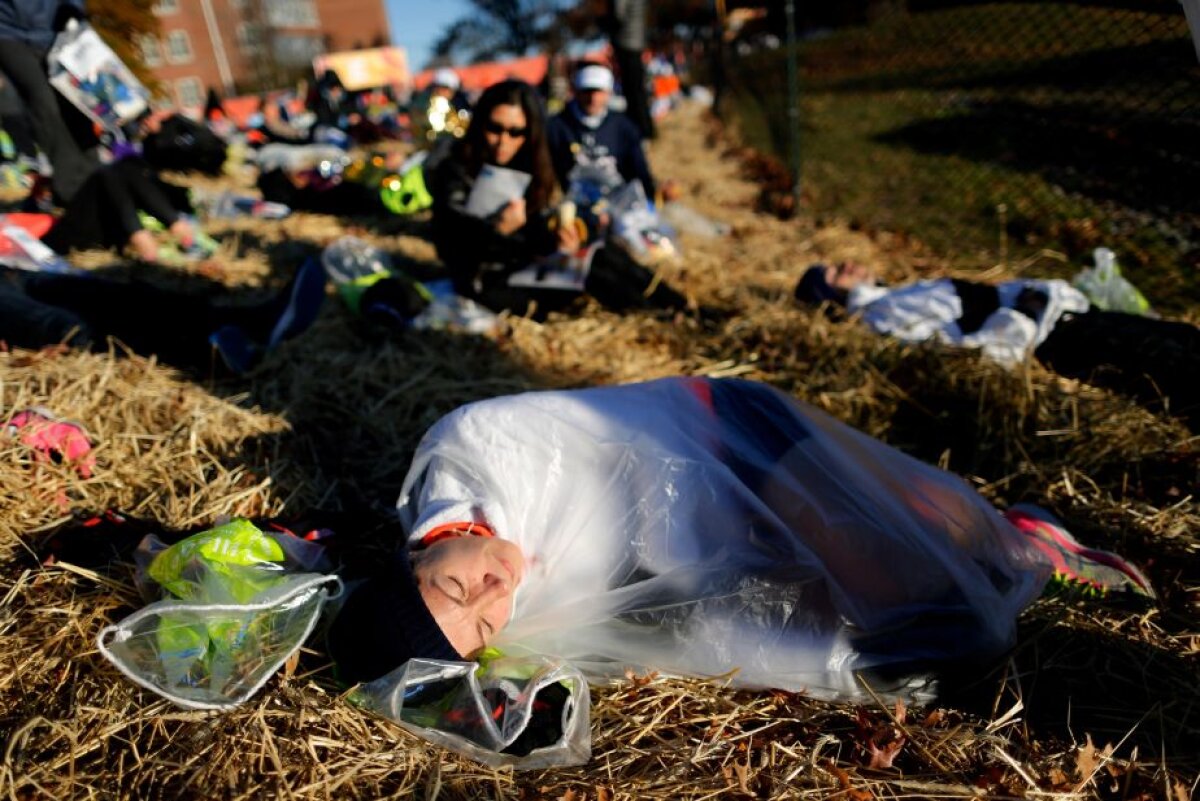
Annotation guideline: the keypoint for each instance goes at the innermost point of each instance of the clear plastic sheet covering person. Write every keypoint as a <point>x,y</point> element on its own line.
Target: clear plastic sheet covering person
<point>236,603</point>
<point>698,527</point>
<point>524,712</point>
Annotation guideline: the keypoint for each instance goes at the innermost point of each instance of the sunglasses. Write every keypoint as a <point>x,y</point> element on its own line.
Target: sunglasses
<point>497,129</point>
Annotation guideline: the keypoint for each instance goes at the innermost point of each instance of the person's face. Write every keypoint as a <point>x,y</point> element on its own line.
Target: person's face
<point>592,101</point>
<point>847,275</point>
<point>442,91</point>
<point>505,132</point>
<point>468,584</point>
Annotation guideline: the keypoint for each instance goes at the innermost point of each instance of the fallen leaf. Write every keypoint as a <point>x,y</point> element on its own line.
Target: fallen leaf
<point>933,718</point>
<point>641,681</point>
<point>882,758</point>
<point>1085,759</point>
<point>743,773</point>
<point>289,666</point>
<point>843,779</point>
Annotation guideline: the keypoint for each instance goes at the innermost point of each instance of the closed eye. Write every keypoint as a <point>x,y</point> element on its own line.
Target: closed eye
<point>460,590</point>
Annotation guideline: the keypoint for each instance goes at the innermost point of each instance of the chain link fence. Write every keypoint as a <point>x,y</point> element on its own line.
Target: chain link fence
<point>992,131</point>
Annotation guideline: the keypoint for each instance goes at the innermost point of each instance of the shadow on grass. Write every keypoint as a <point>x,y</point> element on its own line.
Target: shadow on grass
<point>1072,682</point>
<point>1146,162</point>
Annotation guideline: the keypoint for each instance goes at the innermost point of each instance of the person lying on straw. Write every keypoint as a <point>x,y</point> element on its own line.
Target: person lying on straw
<point>1150,359</point>
<point>699,527</point>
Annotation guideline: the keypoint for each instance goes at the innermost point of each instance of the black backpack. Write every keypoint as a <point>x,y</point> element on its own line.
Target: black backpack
<point>184,145</point>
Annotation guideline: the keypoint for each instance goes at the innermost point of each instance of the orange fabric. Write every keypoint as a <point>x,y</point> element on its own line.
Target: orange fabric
<point>666,85</point>
<point>35,224</point>
<point>455,529</point>
<point>475,77</point>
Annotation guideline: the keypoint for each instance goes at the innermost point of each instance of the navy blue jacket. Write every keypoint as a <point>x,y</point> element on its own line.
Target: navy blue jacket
<point>32,21</point>
<point>615,145</point>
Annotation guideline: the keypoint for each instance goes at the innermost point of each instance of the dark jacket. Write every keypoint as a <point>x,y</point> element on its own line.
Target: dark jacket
<point>474,252</point>
<point>35,22</point>
<point>614,146</point>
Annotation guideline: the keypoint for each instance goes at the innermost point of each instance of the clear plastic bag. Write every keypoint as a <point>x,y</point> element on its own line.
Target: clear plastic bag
<point>523,712</point>
<point>237,608</point>
<point>23,251</point>
<point>1107,289</point>
<point>639,228</point>
<point>90,75</point>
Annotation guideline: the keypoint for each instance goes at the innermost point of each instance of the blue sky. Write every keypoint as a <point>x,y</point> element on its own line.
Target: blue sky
<point>416,24</point>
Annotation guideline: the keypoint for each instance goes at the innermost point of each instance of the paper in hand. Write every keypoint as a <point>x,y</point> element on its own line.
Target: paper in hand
<point>494,188</point>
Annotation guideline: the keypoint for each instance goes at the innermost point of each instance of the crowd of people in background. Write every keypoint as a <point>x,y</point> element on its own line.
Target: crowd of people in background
<point>92,187</point>
<point>568,151</point>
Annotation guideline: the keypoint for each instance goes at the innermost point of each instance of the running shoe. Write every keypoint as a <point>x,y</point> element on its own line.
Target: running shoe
<point>1078,570</point>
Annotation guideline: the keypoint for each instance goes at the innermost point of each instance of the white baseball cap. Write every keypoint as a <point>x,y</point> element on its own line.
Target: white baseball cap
<point>446,77</point>
<point>594,76</point>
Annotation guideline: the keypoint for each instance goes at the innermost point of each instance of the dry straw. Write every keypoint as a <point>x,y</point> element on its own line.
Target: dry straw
<point>330,421</point>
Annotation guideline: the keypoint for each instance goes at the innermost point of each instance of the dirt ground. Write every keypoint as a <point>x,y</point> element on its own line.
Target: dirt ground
<point>1097,700</point>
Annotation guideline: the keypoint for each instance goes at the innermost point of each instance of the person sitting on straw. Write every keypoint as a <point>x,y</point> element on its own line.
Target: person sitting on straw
<point>587,139</point>
<point>502,241</point>
<point>699,527</point>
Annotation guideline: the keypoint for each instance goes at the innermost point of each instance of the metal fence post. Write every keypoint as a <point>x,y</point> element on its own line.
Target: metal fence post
<point>793,102</point>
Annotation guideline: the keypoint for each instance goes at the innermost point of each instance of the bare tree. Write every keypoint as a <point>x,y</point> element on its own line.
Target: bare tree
<point>498,27</point>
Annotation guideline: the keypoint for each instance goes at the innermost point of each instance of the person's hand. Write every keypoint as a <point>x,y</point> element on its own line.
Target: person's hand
<point>183,232</point>
<point>144,246</point>
<point>512,217</point>
<point>569,239</point>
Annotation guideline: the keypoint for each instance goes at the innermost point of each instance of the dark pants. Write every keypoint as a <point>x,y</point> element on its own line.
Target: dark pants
<point>104,211</point>
<point>38,309</point>
<point>1154,361</point>
<point>15,121</point>
<point>633,83</point>
<point>345,198</point>
<point>615,280</point>
<point>61,131</point>
<point>28,323</point>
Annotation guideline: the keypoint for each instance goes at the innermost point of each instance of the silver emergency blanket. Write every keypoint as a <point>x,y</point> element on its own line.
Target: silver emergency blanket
<point>702,527</point>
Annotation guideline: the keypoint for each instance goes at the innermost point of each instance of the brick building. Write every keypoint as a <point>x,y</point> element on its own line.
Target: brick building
<point>235,46</point>
<point>354,24</point>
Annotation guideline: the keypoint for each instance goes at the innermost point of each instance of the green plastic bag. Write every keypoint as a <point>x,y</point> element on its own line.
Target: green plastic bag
<point>237,608</point>
<point>1107,289</point>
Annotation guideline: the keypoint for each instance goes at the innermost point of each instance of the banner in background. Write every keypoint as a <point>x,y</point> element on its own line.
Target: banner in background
<point>477,77</point>
<point>367,69</point>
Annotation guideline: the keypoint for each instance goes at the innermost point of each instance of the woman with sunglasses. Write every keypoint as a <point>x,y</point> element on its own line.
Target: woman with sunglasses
<point>508,129</point>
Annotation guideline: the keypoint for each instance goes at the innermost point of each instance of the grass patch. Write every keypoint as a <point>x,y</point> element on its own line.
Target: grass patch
<point>993,132</point>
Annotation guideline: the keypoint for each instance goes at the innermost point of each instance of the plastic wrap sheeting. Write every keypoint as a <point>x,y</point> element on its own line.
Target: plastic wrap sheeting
<point>237,607</point>
<point>699,527</point>
<point>526,712</point>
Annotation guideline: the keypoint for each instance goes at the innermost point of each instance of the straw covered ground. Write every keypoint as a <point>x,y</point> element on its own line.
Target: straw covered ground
<point>1095,701</point>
